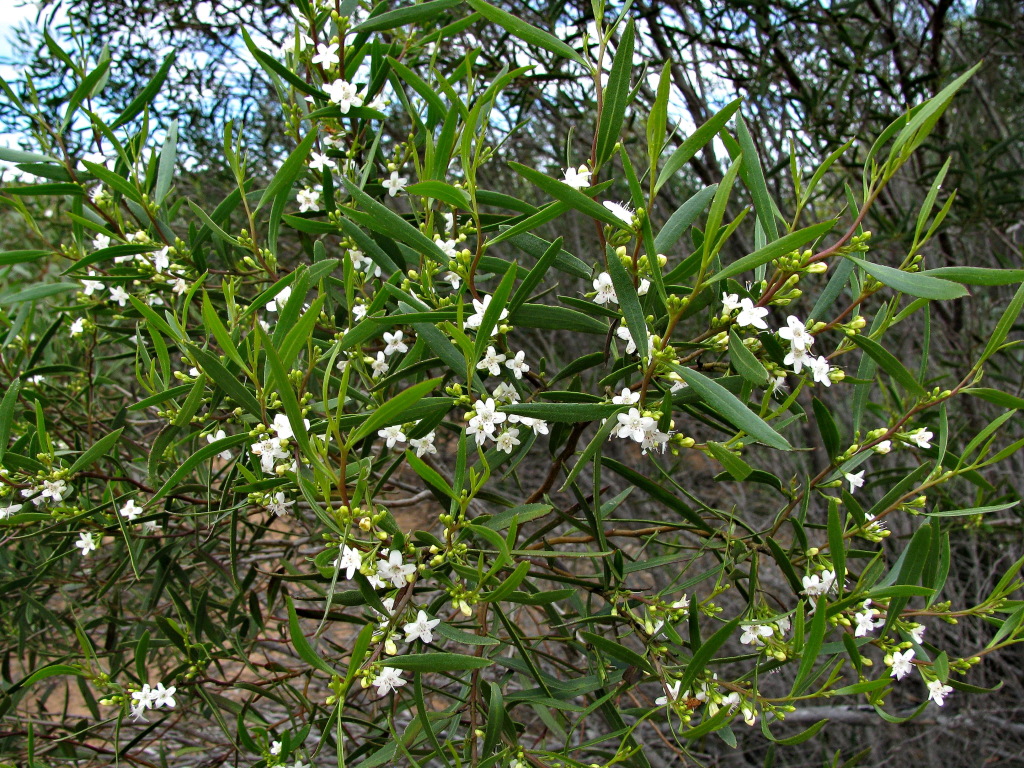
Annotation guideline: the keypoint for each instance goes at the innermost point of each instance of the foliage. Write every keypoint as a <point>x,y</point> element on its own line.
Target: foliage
<point>215,416</point>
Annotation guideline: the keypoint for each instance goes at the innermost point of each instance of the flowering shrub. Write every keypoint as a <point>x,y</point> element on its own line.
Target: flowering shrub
<point>213,419</point>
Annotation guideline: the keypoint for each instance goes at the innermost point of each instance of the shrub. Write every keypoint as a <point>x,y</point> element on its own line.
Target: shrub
<point>214,418</point>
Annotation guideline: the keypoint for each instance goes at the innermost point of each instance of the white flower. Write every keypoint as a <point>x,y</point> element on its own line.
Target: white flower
<point>395,184</point>
<point>283,427</point>
<point>7,511</point>
<point>130,511</point>
<point>752,315</point>
<point>161,261</point>
<point>819,585</point>
<point>280,299</point>
<point>883,447</point>
<point>54,490</point>
<point>77,327</point>
<point>796,334</point>
<point>633,425</point>
<point>448,246</point>
<point>671,694</point>
<point>423,445</point>
<point>163,697</point>
<point>627,397</point>
<point>328,56</point>
<point>268,450</point>
<point>491,362</point>
<point>118,294</point>
<point>91,286</point>
<point>100,242</point>
<point>577,178</point>
<point>605,289</point>
<point>783,624</point>
<point>917,633</point>
<point>730,303</point>
<point>318,161</point>
<point>643,287</point>
<point>752,633</point>
<point>394,568</point>
<point>920,437</point>
<point>901,664</point>
<point>798,358</point>
<point>486,419</point>
<point>275,747</point>
<point>180,286</point>
<point>392,434</point>
<point>619,211</point>
<point>359,312</point>
<point>145,697</point>
<point>508,440</point>
<point>308,199</point>
<point>389,679</point>
<point>86,542</point>
<point>517,364</point>
<point>453,279</point>
<point>359,259</point>
<point>213,437</point>
<point>480,307</point>
<point>937,692</point>
<point>856,479</point>
<point>421,629</point>
<point>624,333</point>
<point>819,369</point>
<point>539,426</point>
<point>344,94</point>
<point>505,393</point>
<point>654,439</point>
<point>866,621</point>
<point>349,561</point>
<point>380,365</point>
<point>393,343</point>
<point>280,504</point>
<point>333,142</point>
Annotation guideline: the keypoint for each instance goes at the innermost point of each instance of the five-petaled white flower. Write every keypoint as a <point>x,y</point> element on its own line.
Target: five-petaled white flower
<point>392,434</point>
<point>344,94</point>
<point>423,445</point>
<point>100,242</point>
<point>937,692</point>
<point>86,542</point>
<point>865,619</point>
<point>279,504</point>
<point>922,437</point>
<point>53,490</point>
<point>380,365</point>
<point>491,362</point>
<point>819,585</point>
<point>620,212</point>
<point>327,54</point>
<point>119,295</point>
<point>626,397</point>
<point>856,479</point>
<point>393,343</point>
<point>654,439</point>
<point>902,664</point>
<point>349,561</point>
<point>389,679</point>
<point>213,437</point>
<point>633,425</point>
<point>730,303</point>
<point>796,334</point>
<point>318,161</point>
<point>308,199</point>
<point>917,633</point>
<point>752,633</point>
<point>480,307</point>
<point>11,509</point>
<point>283,427</point>
<point>539,426</point>
<point>605,289</point>
<point>161,259</point>
<point>77,327</point>
<point>508,440</point>
<point>130,511</point>
<point>486,418</point>
<point>164,697</point>
<point>91,286</point>
<point>268,450</point>
<point>820,369</point>
<point>577,178</point>
<point>752,315</point>
<point>421,629</point>
<point>798,358</point>
<point>395,184</point>
<point>394,568</point>
<point>518,364</point>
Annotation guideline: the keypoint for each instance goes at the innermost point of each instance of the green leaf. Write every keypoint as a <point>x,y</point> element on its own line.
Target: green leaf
<point>436,662</point>
<point>996,397</point>
<point>913,283</point>
<point>809,655</point>
<point>977,275</point>
<point>275,68</point>
<point>593,447</point>
<point>973,510</point>
<point>38,292</point>
<point>557,319</point>
<point>564,260</point>
<point>401,17</point>
<point>889,364</point>
<point>617,651</point>
<point>446,193</point>
<point>289,170</point>
<point>569,413</point>
<point>393,410</point>
<point>695,142</point>
<point>616,96</point>
<point>568,195</point>
<point>20,257</point>
<point>726,404</point>
<point>428,474</point>
<point>524,30</point>
<point>703,655</point>
<point>656,492</point>
<point>827,428</point>
<point>301,644</point>
<point>629,301</point>
<point>734,465</point>
<point>96,451</point>
<point>7,406</point>
<point>744,362</point>
<point>226,380</point>
<point>115,182</point>
<point>1006,321</point>
<point>682,218</point>
<point>197,458</point>
<point>786,244</point>
<point>753,177</point>
<point>535,275</point>
<point>382,219</point>
<point>147,94</point>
